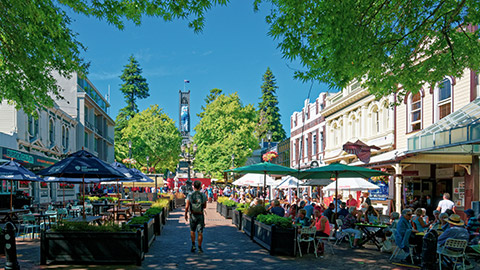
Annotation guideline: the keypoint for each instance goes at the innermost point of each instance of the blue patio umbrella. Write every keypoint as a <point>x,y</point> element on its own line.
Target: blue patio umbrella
<point>13,171</point>
<point>82,165</point>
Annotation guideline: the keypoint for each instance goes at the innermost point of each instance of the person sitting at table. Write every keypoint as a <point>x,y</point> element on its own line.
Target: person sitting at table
<point>403,227</point>
<point>351,201</point>
<point>292,212</point>
<point>436,220</point>
<point>302,218</point>
<point>418,222</point>
<point>277,209</point>
<point>329,212</point>
<point>425,216</point>
<point>371,215</point>
<point>455,230</point>
<point>473,225</point>
<point>322,224</point>
<point>349,225</point>
<point>343,212</point>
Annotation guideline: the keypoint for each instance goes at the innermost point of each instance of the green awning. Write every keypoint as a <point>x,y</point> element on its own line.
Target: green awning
<point>458,128</point>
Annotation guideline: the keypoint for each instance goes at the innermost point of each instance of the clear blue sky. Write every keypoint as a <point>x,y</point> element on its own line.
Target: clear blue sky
<point>232,54</point>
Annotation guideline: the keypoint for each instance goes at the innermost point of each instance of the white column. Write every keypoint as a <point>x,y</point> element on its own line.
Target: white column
<point>398,188</point>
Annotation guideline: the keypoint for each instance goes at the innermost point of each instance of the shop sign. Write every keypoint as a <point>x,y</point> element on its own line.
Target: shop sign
<point>9,153</point>
<point>382,193</point>
<point>444,173</point>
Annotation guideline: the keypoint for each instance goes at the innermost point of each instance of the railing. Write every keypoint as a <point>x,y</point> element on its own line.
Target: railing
<point>450,137</point>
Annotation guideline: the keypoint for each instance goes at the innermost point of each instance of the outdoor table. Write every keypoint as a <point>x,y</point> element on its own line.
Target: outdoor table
<point>39,217</point>
<point>125,211</point>
<point>75,212</point>
<point>97,206</point>
<point>11,215</point>
<point>87,219</point>
<point>372,234</point>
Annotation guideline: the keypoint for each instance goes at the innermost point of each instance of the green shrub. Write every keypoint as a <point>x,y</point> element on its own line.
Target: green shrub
<point>221,199</point>
<point>271,219</point>
<point>152,211</point>
<point>161,203</point>
<point>111,199</point>
<point>139,220</point>
<point>85,227</point>
<point>242,206</point>
<point>255,211</point>
<point>229,203</point>
<point>144,202</point>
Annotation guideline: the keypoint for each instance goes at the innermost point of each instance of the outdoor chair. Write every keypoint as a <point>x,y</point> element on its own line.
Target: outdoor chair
<point>327,240</point>
<point>398,250</point>
<point>29,223</point>
<point>341,235</point>
<point>306,235</point>
<point>454,249</point>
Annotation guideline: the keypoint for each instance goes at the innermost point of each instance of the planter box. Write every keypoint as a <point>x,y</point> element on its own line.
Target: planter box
<point>148,234</point>
<point>219,207</point>
<point>92,247</point>
<point>274,239</point>
<point>171,205</point>
<point>247,225</point>
<point>179,202</point>
<point>157,224</point>
<point>227,211</point>
<point>164,216</point>
<point>2,243</point>
<point>237,218</point>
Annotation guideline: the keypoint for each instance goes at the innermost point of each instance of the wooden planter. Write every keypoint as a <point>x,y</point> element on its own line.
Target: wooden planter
<point>247,225</point>
<point>164,216</point>
<point>237,218</point>
<point>157,224</point>
<point>171,205</point>
<point>148,234</point>
<point>227,211</point>
<point>219,207</point>
<point>179,202</point>
<point>2,243</point>
<point>275,239</point>
<point>92,247</point>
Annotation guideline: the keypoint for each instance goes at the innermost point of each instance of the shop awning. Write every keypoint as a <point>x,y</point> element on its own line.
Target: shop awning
<point>387,157</point>
<point>459,128</point>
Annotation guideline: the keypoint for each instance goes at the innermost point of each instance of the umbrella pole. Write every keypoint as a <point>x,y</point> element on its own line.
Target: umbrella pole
<point>11,194</point>
<point>83,184</point>
<point>336,200</point>
<point>64,194</point>
<point>264,186</point>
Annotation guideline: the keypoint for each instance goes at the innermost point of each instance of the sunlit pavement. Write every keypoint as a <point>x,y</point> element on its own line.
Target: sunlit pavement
<point>224,246</point>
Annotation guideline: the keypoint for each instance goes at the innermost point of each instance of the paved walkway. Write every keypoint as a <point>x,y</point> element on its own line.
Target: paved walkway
<point>224,248</point>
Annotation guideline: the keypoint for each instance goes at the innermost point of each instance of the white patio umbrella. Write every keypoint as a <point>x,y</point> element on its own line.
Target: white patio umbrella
<point>353,184</point>
<point>289,182</point>
<point>254,180</point>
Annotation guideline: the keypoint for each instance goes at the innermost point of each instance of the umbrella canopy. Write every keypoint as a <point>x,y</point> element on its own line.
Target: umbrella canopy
<point>254,180</point>
<point>353,184</point>
<point>265,167</point>
<point>317,182</point>
<point>141,177</point>
<point>289,182</point>
<point>13,171</point>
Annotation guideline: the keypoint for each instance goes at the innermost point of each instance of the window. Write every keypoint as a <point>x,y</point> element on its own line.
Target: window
<point>375,121</point>
<point>95,145</point>
<point>64,137</point>
<point>321,142</point>
<point>415,112</point>
<point>86,140</point>
<point>443,99</point>
<point>314,144</point>
<point>306,147</point>
<point>67,138</point>
<point>51,131</point>
<point>32,127</point>
<point>86,114</point>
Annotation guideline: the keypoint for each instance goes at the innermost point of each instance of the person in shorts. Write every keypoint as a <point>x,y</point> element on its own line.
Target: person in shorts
<point>196,202</point>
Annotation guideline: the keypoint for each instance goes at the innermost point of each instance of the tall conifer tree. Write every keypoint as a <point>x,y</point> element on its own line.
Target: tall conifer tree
<point>268,111</point>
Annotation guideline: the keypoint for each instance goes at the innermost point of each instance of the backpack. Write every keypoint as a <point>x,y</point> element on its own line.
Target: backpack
<point>196,203</point>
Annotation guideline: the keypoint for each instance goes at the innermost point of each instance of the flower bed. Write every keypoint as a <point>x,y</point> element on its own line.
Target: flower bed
<point>275,233</point>
<point>87,247</point>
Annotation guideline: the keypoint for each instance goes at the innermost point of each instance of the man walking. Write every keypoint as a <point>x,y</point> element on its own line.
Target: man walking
<point>196,202</point>
<point>446,204</point>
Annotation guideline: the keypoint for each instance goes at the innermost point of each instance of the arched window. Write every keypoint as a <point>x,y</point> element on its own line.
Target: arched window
<point>64,138</point>
<point>414,112</point>
<point>375,121</point>
<point>443,99</point>
<point>67,138</point>
<point>51,131</point>
<point>32,127</point>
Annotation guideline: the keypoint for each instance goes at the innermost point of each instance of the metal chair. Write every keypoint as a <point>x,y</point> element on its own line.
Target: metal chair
<point>29,222</point>
<point>306,235</point>
<point>397,250</point>
<point>340,235</point>
<point>455,249</point>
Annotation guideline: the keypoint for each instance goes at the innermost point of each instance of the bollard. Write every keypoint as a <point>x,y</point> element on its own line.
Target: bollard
<point>10,248</point>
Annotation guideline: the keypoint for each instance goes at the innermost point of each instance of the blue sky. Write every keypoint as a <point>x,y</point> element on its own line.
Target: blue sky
<point>232,54</point>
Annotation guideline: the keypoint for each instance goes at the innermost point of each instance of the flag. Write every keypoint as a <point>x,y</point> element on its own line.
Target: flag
<point>186,81</point>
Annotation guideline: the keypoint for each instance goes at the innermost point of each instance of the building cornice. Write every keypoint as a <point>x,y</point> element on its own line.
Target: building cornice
<point>345,102</point>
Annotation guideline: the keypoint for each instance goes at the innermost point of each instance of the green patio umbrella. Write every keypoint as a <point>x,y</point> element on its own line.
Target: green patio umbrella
<point>336,170</point>
<point>264,168</point>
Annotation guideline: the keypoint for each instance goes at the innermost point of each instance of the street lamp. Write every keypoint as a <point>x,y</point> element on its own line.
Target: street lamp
<point>130,149</point>
<point>233,166</point>
<point>269,137</point>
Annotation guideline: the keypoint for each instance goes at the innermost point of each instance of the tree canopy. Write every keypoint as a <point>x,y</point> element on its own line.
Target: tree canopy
<point>393,46</point>
<point>268,111</point>
<point>226,128</point>
<point>134,86</point>
<point>152,134</point>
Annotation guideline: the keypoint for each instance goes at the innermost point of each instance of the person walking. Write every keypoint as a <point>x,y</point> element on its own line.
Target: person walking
<point>446,204</point>
<point>196,202</point>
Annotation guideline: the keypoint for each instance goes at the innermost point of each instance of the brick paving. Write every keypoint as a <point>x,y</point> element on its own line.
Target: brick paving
<point>225,247</point>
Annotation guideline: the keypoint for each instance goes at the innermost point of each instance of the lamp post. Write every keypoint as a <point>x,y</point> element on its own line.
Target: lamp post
<point>130,151</point>
<point>233,166</point>
<point>188,152</point>
<point>269,138</point>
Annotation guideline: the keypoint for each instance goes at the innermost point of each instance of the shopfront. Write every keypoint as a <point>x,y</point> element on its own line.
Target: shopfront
<point>41,192</point>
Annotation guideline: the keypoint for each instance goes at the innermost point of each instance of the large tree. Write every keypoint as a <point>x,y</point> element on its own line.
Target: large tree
<point>134,85</point>
<point>268,111</point>
<point>226,128</point>
<point>393,46</point>
<point>214,93</point>
<point>152,134</point>
<point>36,39</point>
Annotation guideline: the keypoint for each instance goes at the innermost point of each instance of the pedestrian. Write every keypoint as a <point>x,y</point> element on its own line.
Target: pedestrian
<point>446,204</point>
<point>196,202</point>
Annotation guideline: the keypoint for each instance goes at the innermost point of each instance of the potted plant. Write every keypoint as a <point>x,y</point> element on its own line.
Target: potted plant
<point>145,223</point>
<point>275,233</point>
<point>237,215</point>
<point>227,207</point>
<point>219,203</point>
<point>80,243</point>
<point>248,219</point>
